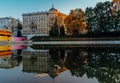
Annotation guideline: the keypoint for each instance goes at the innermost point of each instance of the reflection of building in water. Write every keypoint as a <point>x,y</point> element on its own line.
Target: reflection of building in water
<point>7,60</point>
<point>42,63</point>
<point>37,61</point>
<point>5,53</point>
<point>4,61</point>
<point>5,48</point>
<point>17,49</point>
<point>79,61</point>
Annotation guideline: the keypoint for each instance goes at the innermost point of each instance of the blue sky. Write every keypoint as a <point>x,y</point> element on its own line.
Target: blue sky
<point>16,8</point>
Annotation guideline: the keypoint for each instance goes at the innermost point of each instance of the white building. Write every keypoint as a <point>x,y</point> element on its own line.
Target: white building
<point>116,5</point>
<point>41,22</point>
<point>9,23</point>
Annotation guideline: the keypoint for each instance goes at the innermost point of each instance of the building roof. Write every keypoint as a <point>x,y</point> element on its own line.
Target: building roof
<point>116,0</point>
<point>5,18</point>
<point>35,13</point>
<point>53,9</point>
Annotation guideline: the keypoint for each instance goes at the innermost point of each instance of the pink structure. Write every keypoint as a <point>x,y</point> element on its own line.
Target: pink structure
<point>17,47</point>
<point>19,39</point>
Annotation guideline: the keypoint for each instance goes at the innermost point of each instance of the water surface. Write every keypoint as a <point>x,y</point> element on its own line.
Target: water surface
<point>59,64</point>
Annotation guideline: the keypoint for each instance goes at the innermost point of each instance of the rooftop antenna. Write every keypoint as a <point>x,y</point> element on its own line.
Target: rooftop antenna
<point>53,4</point>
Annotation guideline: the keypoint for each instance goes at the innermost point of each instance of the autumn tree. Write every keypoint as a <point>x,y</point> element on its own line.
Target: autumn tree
<point>75,22</point>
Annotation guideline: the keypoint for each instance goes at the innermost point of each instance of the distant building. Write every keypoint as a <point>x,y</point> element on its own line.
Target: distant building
<point>41,22</point>
<point>9,23</point>
<point>116,5</point>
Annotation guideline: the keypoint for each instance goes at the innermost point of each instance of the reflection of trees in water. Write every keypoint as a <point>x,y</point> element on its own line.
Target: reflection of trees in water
<point>57,54</point>
<point>56,62</point>
<point>102,64</point>
<point>57,57</point>
<point>16,59</point>
<point>76,61</point>
<point>62,59</point>
<point>10,61</point>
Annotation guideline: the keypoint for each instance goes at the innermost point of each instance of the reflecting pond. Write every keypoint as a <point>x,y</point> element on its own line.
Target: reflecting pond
<point>59,64</point>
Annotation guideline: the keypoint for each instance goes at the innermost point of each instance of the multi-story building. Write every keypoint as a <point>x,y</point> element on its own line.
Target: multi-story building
<point>116,5</point>
<point>41,22</point>
<point>9,23</point>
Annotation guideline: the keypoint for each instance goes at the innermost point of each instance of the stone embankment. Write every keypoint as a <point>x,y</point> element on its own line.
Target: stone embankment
<point>15,42</point>
<point>78,42</point>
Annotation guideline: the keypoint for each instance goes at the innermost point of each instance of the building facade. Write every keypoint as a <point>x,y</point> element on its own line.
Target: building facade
<point>9,24</point>
<point>116,5</point>
<point>41,22</point>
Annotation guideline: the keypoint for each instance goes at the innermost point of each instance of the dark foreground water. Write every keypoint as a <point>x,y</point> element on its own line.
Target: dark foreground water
<point>59,64</point>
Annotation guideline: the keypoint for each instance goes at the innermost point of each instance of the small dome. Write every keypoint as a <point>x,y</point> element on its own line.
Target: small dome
<point>53,10</point>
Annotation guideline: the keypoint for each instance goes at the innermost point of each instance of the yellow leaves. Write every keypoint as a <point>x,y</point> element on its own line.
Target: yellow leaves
<point>75,21</point>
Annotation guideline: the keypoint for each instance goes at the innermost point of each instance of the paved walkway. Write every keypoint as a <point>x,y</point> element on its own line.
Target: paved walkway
<point>77,42</point>
<point>15,43</point>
